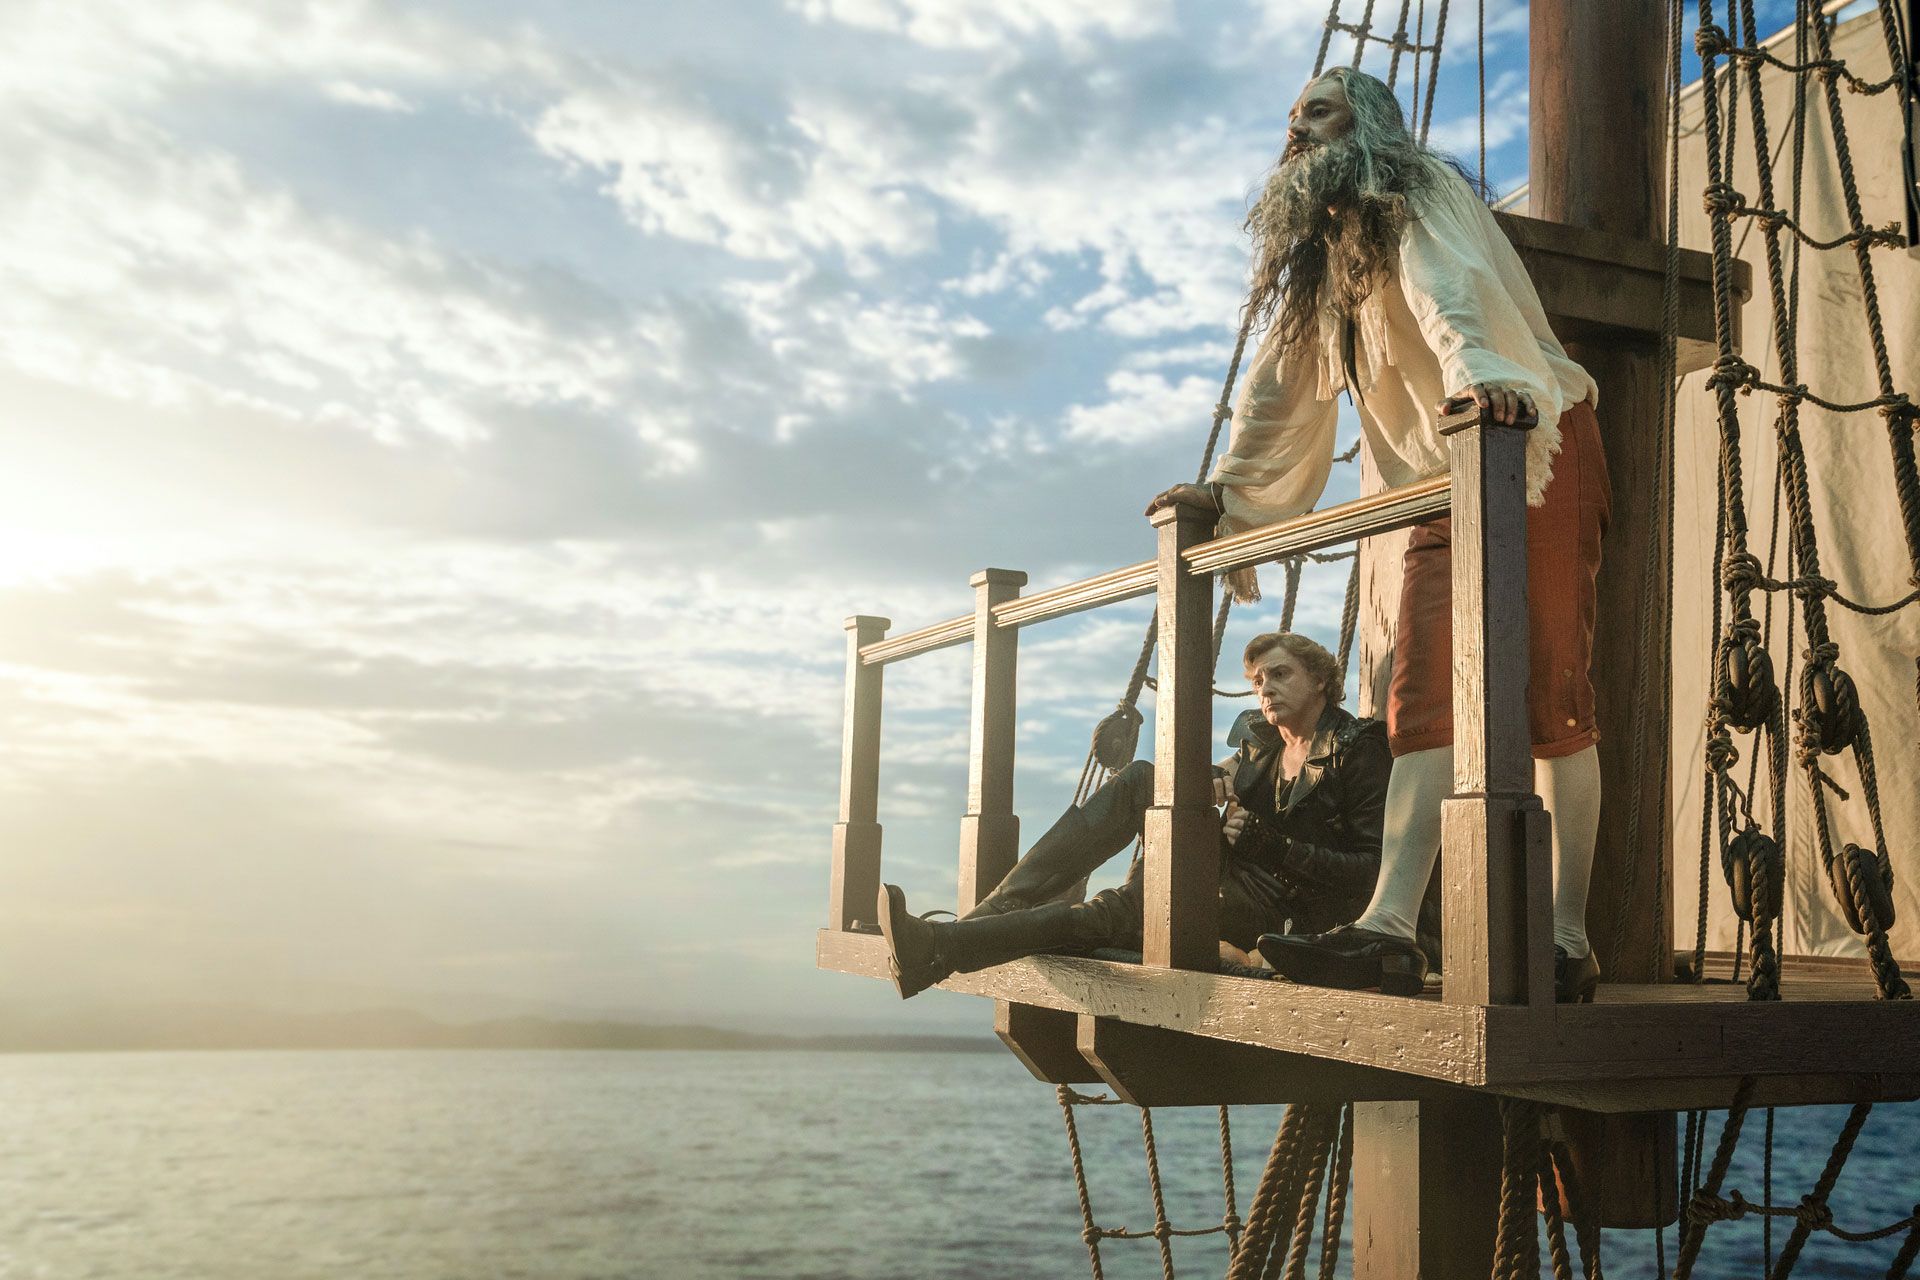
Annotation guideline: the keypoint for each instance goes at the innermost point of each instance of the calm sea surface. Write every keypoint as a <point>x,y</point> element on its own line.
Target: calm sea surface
<point>682,1166</point>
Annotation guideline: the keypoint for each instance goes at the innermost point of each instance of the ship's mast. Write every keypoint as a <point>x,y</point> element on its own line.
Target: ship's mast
<point>1596,158</point>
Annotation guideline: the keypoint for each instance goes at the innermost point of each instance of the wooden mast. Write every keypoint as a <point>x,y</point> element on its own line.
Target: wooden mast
<point>1596,159</point>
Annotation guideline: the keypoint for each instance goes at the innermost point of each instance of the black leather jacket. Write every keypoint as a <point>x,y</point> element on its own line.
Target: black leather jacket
<point>1321,850</point>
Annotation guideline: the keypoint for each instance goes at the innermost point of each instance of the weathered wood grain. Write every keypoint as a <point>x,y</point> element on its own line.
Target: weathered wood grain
<point>1045,1040</point>
<point>1646,1040</point>
<point>1496,900</point>
<point>1494,850</point>
<point>1377,513</point>
<point>1690,1093</point>
<point>908,644</point>
<point>1612,1055</point>
<point>1154,1067</point>
<point>1181,928</point>
<point>1426,1188</point>
<point>1128,582</point>
<point>1416,1037</point>
<point>1492,750</point>
<point>990,830</point>
<point>855,882</point>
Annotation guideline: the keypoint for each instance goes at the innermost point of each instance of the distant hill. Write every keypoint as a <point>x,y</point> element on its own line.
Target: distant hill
<point>218,1026</point>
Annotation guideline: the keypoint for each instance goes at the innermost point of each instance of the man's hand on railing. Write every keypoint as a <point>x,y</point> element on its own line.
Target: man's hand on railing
<point>1186,495</point>
<point>1508,405</point>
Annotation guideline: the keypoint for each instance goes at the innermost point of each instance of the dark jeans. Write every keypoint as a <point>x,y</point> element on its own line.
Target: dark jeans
<point>1250,899</point>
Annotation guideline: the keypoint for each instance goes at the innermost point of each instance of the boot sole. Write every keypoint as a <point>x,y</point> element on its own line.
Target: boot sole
<point>891,900</point>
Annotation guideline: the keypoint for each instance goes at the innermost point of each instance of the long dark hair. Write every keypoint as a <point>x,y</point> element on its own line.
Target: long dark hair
<point>1327,225</point>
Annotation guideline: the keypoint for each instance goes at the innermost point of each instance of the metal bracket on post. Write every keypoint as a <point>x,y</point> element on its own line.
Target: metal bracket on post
<point>990,831</point>
<point>856,836</point>
<point>1496,857</point>
<point>1182,925</point>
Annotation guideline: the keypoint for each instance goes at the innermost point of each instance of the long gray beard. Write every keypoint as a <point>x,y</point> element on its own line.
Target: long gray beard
<point>1301,191</point>
<point>1316,199</point>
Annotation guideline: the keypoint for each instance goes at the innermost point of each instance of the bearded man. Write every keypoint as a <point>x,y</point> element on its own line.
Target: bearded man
<point>1380,272</point>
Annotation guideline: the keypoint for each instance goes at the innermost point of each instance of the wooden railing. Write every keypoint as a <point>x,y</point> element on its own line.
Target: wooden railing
<point>1496,862</point>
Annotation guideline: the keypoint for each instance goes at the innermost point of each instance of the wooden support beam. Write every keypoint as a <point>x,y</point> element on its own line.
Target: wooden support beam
<point>1045,1040</point>
<point>1496,861</point>
<point>856,836</point>
<point>1596,158</point>
<point>990,830</point>
<point>1413,1037</point>
<point>1712,1093</point>
<point>1644,1053</point>
<point>1155,1067</point>
<point>1182,909</point>
<point>1426,1188</point>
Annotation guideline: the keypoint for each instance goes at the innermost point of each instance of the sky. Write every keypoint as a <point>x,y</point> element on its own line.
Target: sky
<point>443,440</point>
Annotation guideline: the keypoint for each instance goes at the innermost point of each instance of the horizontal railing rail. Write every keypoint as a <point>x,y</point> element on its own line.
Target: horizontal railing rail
<point>1366,517</point>
<point>1496,862</point>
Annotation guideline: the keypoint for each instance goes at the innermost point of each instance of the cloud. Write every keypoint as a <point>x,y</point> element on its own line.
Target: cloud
<point>1143,408</point>
<point>985,24</point>
<point>442,451</point>
<point>684,160</point>
<point>359,95</point>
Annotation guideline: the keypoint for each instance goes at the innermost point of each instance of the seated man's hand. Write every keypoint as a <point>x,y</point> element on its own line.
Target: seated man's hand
<point>1504,404</point>
<point>1235,825</point>
<point>1234,955</point>
<point>1187,495</point>
<point>1222,789</point>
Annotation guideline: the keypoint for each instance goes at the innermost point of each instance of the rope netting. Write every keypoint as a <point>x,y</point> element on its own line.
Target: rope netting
<point>1162,1232</point>
<point>1312,1154</point>
<point>1823,704</point>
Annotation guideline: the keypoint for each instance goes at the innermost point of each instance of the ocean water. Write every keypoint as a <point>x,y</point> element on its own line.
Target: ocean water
<point>676,1165</point>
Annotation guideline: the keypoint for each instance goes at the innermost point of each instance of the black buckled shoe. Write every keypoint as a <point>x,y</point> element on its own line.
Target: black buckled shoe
<point>914,959</point>
<point>1574,978</point>
<point>1349,958</point>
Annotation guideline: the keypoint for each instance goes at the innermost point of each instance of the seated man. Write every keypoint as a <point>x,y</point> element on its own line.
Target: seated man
<point>1299,842</point>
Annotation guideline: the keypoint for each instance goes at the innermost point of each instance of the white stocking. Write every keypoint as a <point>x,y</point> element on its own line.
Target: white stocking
<point>1411,840</point>
<point>1569,787</point>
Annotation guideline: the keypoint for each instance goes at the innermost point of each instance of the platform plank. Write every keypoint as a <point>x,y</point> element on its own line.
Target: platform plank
<point>1418,1037</point>
<point>1638,1048</point>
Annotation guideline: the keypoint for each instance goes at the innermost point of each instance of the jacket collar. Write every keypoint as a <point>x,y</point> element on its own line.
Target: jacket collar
<point>1320,751</point>
<point>1265,760</point>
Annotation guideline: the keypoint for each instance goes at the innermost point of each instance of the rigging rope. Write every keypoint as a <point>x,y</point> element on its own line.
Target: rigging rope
<point>1744,698</point>
<point>1162,1232</point>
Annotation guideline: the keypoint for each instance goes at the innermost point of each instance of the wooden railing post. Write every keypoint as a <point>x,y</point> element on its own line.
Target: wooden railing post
<point>856,837</point>
<point>1496,860</point>
<point>990,832</point>
<point>1182,925</point>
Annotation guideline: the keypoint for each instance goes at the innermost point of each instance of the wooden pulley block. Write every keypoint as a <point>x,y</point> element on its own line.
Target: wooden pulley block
<point>1748,693</point>
<point>1117,736</point>
<point>1865,890</point>
<point>1830,708</point>
<point>1751,858</point>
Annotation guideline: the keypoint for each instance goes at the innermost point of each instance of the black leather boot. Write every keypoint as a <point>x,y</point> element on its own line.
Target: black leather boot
<point>984,941</point>
<point>923,952</point>
<point>1075,845</point>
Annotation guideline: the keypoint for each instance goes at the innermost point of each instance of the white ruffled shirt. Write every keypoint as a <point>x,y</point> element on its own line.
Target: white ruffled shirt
<point>1456,309</point>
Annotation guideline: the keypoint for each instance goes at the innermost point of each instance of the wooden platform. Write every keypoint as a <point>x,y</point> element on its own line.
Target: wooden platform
<point>1637,1048</point>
